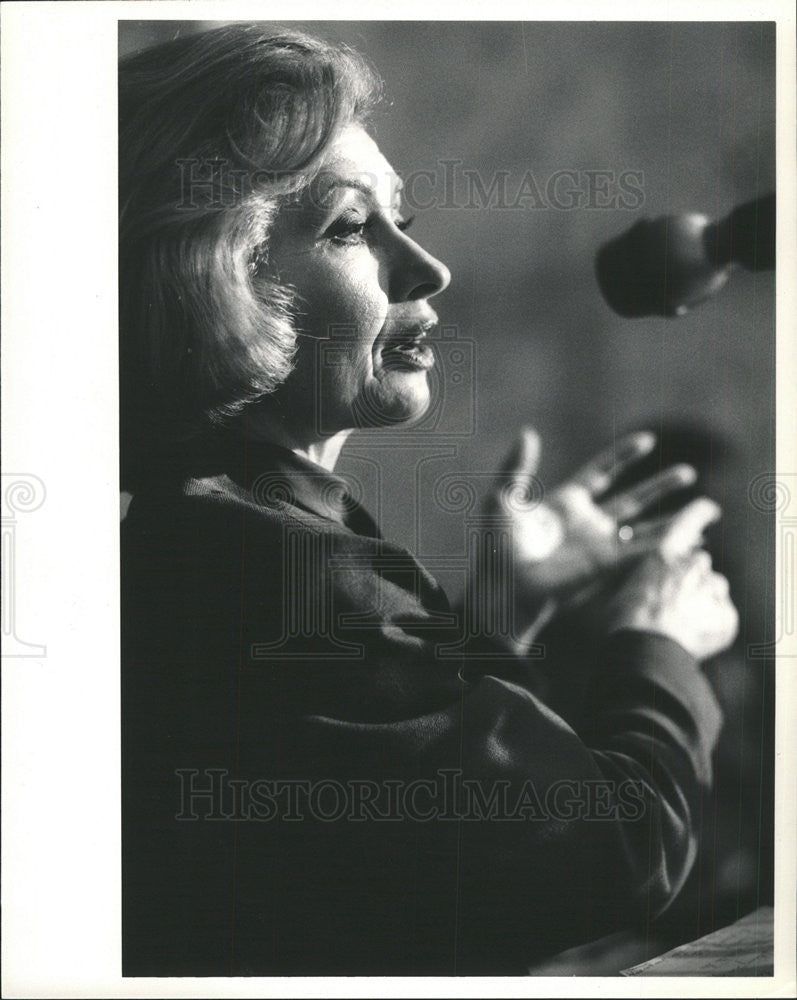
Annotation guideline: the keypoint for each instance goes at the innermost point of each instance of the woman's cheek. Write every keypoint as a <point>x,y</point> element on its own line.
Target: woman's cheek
<point>340,297</point>
<point>338,303</point>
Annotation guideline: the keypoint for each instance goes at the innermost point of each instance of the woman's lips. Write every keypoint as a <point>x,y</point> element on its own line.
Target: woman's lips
<point>414,354</point>
<point>408,349</point>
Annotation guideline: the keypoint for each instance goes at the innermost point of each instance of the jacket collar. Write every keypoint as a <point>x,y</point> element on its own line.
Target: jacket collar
<point>276,476</point>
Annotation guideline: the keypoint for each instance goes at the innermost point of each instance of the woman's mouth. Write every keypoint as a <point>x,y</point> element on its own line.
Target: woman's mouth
<point>408,350</point>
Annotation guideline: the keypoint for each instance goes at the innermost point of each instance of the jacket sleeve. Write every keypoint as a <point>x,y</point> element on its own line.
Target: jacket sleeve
<point>562,836</point>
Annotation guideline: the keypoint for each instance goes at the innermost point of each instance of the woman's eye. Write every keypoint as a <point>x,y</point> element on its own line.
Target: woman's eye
<point>347,231</point>
<point>353,231</point>
<point>351,234</point>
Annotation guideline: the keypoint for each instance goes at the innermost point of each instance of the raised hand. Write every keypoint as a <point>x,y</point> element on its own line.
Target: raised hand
<point>569,539</point>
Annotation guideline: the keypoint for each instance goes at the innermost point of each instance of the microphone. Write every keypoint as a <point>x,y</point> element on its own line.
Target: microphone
<point>666,266</point>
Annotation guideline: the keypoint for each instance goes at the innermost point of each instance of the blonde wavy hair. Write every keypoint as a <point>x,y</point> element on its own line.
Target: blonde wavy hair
<point>217,130</point>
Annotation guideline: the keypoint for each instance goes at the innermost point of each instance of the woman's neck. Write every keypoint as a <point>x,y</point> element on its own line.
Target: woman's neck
<point>324,451</point>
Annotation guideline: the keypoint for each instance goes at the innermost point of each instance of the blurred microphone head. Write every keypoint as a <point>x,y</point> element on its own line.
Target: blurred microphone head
<point>660,267</point>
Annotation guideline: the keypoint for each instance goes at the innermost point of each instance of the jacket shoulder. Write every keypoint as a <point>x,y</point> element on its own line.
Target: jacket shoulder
<point>214,505</point>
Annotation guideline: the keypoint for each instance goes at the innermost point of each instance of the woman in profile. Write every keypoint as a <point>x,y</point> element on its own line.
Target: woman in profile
<point>316,779</point>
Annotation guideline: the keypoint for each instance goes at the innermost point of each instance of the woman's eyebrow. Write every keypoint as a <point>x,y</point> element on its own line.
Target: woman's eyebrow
<point>366,188</point>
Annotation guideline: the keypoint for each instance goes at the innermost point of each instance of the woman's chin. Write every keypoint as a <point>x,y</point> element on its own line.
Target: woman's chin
<point>400,397</point>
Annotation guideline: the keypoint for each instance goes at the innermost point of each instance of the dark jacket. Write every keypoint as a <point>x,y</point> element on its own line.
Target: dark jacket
<point>316,782</point>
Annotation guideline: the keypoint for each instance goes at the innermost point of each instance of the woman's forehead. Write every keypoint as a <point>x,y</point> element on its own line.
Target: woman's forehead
<point>356,161</point>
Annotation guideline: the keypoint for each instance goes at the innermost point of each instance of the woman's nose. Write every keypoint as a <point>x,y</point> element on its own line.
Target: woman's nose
<point>416,274</point>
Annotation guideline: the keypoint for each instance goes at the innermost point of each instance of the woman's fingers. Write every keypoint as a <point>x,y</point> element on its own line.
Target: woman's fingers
<point>520,465</point>
<point>683,599</point>
<point>642,538</point>
<point>685,532</point>
<point>698,566</point>
<point>720,585</point>
<point>598,474</point>
<point>632,502</point>
<point>674,537</point>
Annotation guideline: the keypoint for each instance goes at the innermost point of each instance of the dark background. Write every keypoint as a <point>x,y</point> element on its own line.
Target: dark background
<point>692,107</point>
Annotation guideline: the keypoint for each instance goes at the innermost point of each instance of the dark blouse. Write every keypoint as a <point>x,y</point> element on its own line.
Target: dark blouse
<point>316,782</point>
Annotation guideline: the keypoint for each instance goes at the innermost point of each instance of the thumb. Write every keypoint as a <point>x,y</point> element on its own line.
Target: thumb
<point>516,485</point>
<point>524,457</point>
<point>685,532</point>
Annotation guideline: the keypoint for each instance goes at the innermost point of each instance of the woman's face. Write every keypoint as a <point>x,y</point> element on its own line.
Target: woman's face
<point>362,288</point>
